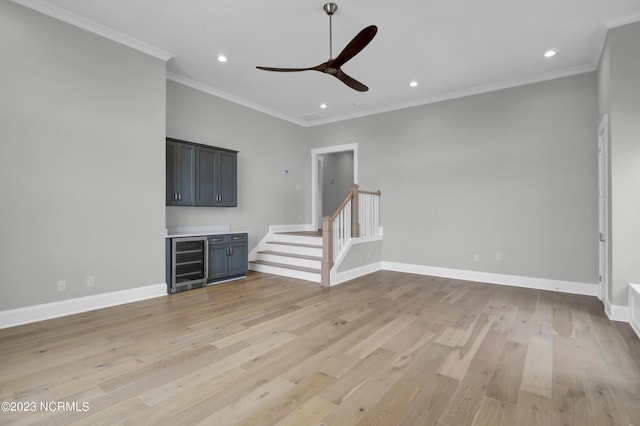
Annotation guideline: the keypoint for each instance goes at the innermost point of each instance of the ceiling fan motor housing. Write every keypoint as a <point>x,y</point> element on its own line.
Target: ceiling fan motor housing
<point>330,8</point>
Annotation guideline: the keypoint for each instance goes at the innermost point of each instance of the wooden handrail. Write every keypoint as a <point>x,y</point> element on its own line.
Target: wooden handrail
<point>370,192</point>
<point>344,203</point>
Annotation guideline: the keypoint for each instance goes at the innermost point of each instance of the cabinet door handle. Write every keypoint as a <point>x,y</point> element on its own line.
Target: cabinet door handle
<point>175,195</point>
<point>180,196</point>
<point>230,251</point>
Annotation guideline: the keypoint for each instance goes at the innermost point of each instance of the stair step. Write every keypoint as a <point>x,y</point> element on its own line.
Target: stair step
<point>302,233</point>
<point>297,238</point>
<point>295,244</point>
<point>285,266</point>
<point>297,256</point>
<point>294,248</point>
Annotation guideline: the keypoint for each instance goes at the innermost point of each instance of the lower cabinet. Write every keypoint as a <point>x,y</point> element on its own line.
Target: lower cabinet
<point>228,256</point>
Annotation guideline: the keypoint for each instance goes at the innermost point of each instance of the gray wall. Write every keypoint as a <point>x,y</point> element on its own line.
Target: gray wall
<point>620,97</point>
<point>511,172</point>
<point>337,178</point>
<point>361,255</point>
<point>268,146</point>
<point>82,167</point>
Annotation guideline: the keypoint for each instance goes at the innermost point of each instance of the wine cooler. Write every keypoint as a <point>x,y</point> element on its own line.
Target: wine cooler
<point>189,263</point>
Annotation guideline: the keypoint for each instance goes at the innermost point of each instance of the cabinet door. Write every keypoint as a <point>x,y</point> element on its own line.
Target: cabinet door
<point>205,172</point>
<point>187,187</point>
<point>180,174</point>
<point>226,183</point>
<point>172,173</point>
<point>239,259</point>
<point>218,267</point>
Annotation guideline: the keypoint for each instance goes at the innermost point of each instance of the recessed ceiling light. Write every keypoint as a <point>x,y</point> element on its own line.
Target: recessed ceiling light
<point>413,84</point>
<point>222,58</point>
<point>550,53</point>
<point>323,106</point>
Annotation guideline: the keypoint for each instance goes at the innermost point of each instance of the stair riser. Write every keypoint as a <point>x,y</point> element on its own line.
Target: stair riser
<point>307,251</point>
<point>308,276</point>
<point>297,239</point>
<point>316,264</point>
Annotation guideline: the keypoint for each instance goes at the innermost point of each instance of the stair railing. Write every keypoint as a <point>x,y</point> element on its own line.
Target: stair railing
<point>357,216</point>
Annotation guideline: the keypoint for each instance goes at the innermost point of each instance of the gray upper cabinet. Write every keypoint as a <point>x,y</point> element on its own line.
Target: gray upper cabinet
<point>213,173</point>
<point>226,185</point>
<point>181,184</point>
<point>216,178</point>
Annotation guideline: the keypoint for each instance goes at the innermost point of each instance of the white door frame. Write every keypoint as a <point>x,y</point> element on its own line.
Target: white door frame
<point>316,193</point>
<point>603,208</point>
<point>320,187</point>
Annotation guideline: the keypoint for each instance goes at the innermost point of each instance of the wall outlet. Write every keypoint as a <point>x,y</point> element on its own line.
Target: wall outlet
<point>62,285</point>
<point>91,281</point>
<point>476,258</point>
<point>498,256</point>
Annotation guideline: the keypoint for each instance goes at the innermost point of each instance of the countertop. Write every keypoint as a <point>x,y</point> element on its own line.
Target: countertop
<point>199,231</point>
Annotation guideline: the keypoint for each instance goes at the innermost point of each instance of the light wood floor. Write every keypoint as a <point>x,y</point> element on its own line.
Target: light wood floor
<point>386,349</point>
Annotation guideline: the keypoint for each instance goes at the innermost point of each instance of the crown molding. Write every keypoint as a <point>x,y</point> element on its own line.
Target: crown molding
<point>624,20</point>
<point>63,15</point>
<point>567,72</point>
<point>186,81</point>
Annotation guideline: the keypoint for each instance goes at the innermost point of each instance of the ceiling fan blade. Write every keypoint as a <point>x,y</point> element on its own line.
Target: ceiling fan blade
<point>320,67</point>
<point>354,84</point>
<point>359,42</point>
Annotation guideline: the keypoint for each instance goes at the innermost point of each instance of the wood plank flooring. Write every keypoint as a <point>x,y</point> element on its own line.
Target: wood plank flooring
<point>385,349</point>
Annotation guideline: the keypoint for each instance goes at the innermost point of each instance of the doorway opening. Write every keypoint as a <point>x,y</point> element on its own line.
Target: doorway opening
<point>331,168</point>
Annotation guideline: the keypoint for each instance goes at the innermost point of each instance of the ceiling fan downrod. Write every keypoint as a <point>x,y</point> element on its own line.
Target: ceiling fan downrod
<point>330,9</point>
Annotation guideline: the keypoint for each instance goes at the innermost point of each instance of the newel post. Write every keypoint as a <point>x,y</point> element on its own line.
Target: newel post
<point>327,250</point>
<point>355,224</point>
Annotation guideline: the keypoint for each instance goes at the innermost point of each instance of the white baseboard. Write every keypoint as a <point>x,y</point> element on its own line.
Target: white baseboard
<point>616,312</point>
<point>344,276</point>
<point>29,314</point>
<point>634,307</point>
<point>491,278</point>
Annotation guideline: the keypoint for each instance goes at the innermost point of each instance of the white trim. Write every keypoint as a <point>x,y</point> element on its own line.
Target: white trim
<point>71,18</point>
<point>618,22</point>
<point>616,312</point>
<point>567,72</point>
<point>501,279</point>
<point>315,220</point>
<point>603,208</point>
<point>29,314</point>
<point>186,81</point>
<point>634,301</point>
<point>341,277</point>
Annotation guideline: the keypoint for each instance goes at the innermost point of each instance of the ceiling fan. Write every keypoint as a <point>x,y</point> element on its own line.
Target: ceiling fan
<point>332,66</point>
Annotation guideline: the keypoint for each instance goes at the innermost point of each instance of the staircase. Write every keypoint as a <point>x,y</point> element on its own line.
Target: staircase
<point>291,254</point>
<point>298,251</point>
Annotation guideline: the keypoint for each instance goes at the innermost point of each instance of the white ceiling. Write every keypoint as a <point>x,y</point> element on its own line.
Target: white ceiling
<point>450,47</point>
